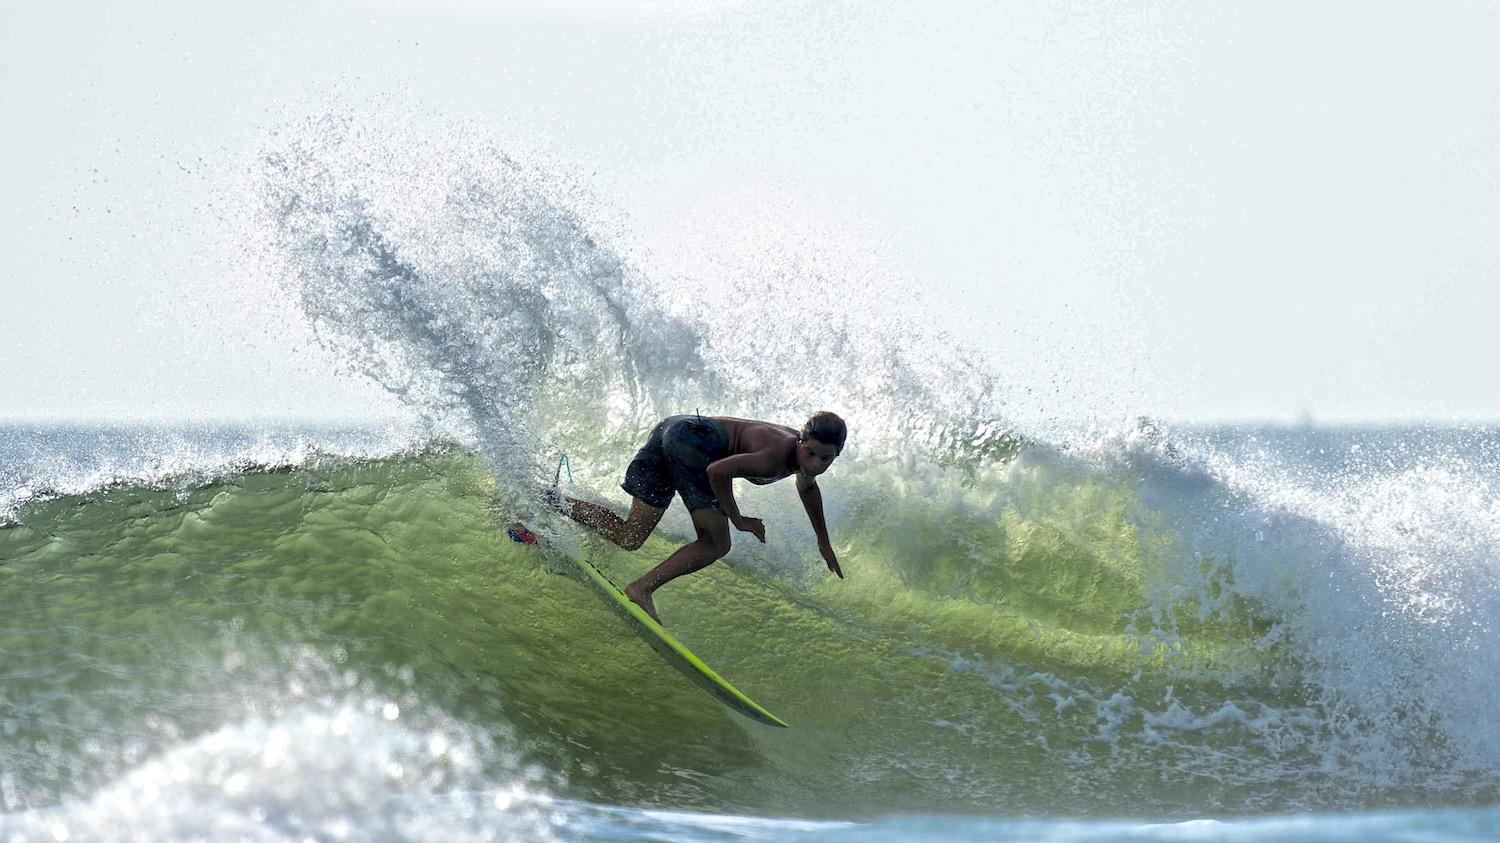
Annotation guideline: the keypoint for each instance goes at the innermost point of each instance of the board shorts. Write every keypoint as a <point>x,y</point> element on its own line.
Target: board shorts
<point>675,459</point>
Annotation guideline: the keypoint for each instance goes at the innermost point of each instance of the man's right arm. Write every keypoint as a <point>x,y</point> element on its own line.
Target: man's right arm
<point>721,474</point>
<point>812,501</point>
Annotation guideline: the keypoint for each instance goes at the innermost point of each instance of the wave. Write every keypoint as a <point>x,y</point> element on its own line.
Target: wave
<point>1131,621</point>
<point>1022,641</point>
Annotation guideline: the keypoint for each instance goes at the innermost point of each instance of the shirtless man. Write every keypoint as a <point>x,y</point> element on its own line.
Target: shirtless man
<point>698,458</point>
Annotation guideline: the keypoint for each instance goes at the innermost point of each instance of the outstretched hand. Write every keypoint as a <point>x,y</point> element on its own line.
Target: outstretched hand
<point>831,559</point>
<point>753,526</point>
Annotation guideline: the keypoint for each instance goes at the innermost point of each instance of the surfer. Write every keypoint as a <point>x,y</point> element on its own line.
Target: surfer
<point>698,458</point>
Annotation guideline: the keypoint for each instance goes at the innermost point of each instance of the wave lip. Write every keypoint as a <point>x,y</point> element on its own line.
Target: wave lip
<point>52,460</point>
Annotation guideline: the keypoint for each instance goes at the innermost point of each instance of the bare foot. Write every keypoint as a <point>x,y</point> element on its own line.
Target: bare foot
<point>641,597</point>
<point>555,500</point>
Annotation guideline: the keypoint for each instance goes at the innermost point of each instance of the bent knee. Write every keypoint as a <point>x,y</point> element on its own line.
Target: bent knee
<point>711,550</point>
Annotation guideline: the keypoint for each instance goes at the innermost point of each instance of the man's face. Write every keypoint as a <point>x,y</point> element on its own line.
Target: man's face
<point>814,457</point>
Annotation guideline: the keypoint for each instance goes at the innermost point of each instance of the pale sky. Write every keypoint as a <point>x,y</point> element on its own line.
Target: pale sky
<point>1196,210</point>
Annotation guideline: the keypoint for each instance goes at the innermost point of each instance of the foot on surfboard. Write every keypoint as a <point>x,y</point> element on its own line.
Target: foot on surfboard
<point>643,599</point>
<point>553,498</point>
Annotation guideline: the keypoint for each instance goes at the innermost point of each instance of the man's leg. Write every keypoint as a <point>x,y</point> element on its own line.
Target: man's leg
<point>712,543</point>
<point>629,532</point>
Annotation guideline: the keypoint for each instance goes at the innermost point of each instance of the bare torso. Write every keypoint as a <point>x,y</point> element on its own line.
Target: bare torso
<point>746,437</point>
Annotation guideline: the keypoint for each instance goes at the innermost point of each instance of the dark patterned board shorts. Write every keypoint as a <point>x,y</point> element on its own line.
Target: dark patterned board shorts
<point>675,459</point>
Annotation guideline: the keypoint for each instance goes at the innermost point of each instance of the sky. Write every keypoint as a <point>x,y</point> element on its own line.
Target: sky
<point>1197,211</point>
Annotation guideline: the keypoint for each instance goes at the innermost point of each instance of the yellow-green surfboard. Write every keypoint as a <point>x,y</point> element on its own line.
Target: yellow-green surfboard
<point>675,653</point>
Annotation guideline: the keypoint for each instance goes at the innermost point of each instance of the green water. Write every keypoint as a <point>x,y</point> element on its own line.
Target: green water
<point>987,653</point>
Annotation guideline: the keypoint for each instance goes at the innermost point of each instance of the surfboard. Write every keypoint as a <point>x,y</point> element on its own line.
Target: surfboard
<point>672,651</point>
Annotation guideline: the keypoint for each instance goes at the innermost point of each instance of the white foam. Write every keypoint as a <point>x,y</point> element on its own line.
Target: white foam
<point>342,772</point>
<point>1378,573</point>
<point>38,462</point>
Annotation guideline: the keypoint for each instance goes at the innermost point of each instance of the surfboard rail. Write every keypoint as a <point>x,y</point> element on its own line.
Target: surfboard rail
<point>677,654</point>
<point>674,652</point>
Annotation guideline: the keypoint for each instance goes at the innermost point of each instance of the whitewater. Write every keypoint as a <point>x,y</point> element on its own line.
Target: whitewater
<point>1092,632</point>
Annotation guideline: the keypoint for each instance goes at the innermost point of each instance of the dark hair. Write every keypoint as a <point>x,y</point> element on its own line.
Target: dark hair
<point>826,428</point>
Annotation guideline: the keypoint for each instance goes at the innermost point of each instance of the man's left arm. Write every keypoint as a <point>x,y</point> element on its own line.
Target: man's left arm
<point>812,501</point>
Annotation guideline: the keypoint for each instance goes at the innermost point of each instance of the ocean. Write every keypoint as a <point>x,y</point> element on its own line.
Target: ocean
<point>1132,630</point>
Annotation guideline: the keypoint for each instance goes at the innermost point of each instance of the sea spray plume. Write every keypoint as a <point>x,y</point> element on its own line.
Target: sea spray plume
<point>841,331</point>
<point>477,288</point>
<point>470,284</point>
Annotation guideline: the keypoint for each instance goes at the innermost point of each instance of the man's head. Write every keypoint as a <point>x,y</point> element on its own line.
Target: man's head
<point>819,442</point>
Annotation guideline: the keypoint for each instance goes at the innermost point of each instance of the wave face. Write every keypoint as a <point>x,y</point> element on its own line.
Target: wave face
<point>1058,634</point>
<point>203,628</point>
